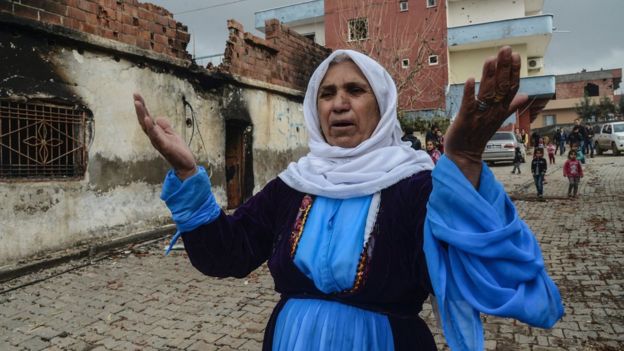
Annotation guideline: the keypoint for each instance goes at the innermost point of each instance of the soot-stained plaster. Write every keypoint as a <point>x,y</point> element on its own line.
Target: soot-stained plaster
<point>27,73</point>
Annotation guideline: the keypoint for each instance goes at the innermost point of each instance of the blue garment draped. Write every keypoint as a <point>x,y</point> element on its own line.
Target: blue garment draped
<point>328,253</point>
<point>333,239</point>
<point>492,264</point>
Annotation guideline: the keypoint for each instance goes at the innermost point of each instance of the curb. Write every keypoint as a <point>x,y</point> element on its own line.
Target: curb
<point>14,271</point>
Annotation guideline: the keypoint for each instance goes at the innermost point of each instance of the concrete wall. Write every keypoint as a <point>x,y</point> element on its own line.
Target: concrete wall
<point>317,28</point>
<point>119,193</point>
<point>461,13</point>
<point>469,63</point>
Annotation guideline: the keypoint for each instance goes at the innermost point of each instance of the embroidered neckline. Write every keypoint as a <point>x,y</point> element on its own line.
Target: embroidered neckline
<point>302,216</point>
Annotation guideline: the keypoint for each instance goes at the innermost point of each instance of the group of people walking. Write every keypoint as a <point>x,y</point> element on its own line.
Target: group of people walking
<point>580,143</point>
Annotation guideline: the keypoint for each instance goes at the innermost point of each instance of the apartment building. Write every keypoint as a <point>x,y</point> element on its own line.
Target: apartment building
<point>458,35</point>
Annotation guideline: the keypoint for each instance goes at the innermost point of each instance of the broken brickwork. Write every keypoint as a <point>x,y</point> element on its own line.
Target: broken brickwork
<point>144,25</point>
<point>284,58</point>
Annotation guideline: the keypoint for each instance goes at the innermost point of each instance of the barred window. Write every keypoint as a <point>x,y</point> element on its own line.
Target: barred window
<point>358,29</point>
<point>41,141</point>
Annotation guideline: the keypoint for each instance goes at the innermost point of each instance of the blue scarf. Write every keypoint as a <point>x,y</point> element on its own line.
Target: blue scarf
<point>482,257</point>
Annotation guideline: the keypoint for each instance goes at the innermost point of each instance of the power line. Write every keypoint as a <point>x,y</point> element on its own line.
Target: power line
<point>209,7</point>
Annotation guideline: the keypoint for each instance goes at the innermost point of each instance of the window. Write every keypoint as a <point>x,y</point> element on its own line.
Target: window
<point>432,3</point>
<point>549,120</point>
<point>592,90</point>
<point>405,63</point>
<point>433,60</point>
<point>358,29</point>
<point>41,141</point>
<point>403,6</point>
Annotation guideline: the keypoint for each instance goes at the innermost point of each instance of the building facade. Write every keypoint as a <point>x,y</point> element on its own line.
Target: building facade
<point>408,38</point>
<point>75,167</point>
<point>477,29</point>
<point>432,46</point>
<point>572,88</point>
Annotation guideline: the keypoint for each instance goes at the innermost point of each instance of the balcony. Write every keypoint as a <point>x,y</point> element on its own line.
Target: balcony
<point>293,15</point>
<point>534,31</point>
<point>541,87</point>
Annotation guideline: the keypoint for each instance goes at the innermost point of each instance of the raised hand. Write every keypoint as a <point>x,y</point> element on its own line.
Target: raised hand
<point>166,140</point>
<point>479,118</point>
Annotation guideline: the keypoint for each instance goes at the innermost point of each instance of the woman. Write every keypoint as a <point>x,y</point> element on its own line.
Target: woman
<point>355,237</point>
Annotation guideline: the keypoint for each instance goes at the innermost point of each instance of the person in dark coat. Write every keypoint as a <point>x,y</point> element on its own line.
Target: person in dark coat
<point>409,136</point>
<point>356,233</point>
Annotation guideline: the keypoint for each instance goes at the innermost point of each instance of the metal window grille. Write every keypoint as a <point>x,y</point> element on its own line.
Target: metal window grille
<point>41,141</point>
<point>358,29</point>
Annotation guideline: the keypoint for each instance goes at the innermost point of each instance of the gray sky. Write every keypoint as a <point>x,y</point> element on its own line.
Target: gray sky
<point>588,32</point>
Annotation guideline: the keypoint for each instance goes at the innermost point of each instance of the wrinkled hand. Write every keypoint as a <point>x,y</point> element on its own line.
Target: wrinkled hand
<point>479,118</point>
<point>165,140</point>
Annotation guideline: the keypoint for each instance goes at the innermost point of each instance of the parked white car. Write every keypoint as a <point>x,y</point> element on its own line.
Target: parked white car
<point>611,137</point>
<point>502,147</point>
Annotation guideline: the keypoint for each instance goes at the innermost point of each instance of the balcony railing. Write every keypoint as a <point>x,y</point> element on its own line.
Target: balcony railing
<point>306,12</point>
<point>503,30</point>
<point>535,87</point>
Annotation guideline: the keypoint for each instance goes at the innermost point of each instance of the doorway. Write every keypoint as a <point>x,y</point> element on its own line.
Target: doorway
<point>238,162</point>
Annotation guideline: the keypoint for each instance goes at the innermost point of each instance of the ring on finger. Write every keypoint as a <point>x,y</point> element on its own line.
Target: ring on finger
<point>481,105</point>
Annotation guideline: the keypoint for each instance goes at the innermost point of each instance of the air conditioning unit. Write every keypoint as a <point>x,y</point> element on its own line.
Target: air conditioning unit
<point>535,63</point>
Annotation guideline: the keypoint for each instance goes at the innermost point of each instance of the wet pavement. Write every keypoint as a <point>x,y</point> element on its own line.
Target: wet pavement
<point>137,299</point>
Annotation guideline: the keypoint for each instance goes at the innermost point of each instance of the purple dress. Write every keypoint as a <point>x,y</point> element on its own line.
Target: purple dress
<point>392,276</point>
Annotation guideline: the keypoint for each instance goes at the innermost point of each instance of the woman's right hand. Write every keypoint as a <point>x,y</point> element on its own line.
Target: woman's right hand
<point>166,140</point>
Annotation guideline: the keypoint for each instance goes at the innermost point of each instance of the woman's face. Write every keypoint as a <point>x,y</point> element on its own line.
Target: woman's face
<point>429,145</point>
<point>347,107</point>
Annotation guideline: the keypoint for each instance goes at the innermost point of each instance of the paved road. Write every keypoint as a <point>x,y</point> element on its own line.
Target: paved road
<point>136,299</point>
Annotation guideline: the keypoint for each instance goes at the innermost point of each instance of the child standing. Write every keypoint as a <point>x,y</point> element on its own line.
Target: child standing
<point>551,148</point>
<point>433,152</point>
<point>573,170</point>
<point>517,161</point>
<point>538,169</point>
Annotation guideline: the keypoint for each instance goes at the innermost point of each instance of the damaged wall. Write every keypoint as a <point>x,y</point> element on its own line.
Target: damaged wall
<point>144,25</point>
<point>119,191</point>
<point>285,58</point>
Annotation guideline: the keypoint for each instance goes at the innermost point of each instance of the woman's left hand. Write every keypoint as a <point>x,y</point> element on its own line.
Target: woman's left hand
<point>479,118</point>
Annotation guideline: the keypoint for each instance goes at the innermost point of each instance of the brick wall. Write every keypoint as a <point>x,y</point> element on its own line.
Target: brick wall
<point>284,58</point>
<point>570,90</point>
<point>144,25</point>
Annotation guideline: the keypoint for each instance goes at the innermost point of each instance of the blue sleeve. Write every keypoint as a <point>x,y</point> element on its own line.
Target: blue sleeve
<point>482,258</point>
<point>191,202</point>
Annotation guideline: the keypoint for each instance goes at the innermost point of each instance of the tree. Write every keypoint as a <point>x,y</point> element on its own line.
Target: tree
<point>606,109</point>
<point>586,109</point>
<point>401,41</point>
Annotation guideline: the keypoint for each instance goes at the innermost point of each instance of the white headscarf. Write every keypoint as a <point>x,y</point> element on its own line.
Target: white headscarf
<point>376,163</point>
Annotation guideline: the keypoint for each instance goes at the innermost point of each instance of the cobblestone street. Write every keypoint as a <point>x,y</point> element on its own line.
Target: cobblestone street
<point>138,299</point>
